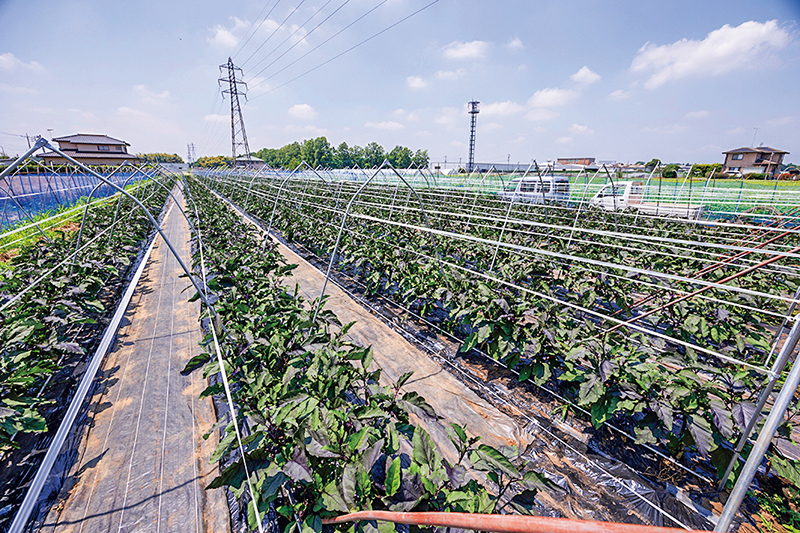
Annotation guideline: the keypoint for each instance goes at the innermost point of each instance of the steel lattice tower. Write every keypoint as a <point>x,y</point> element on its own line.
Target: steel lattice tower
<point>190,154</point>
<point>238,135</point>
<point>473,110</point>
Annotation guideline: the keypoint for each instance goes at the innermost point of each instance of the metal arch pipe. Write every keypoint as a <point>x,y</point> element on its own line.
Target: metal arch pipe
<point>150,218</point>
<point>40,143</point>
<point>86,211</point>
<point>580,207</point>
<point>765,436</point>
<point>508,213</point>
<point>344,221</point>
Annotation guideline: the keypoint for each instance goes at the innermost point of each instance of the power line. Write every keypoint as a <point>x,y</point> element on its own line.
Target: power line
<point>301,40</point>
<point>300,27</point>
<point>273,32</point>
<point>320,44</point>
<point>349,49</point>
<point>256,28</point>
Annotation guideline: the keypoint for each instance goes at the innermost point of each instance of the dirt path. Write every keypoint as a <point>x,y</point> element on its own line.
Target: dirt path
<point>143,464</point>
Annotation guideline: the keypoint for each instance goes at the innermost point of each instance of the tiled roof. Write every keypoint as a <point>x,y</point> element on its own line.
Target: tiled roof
<point>759,150</point>
<point>91,155</point>
<point>89,138</point>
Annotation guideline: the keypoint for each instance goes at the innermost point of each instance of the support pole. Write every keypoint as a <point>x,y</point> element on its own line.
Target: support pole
<point>765,436</point>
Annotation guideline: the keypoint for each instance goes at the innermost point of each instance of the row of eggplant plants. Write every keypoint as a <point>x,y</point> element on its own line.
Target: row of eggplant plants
<point>325,436</point>
<point>47,330</point>
<point>545,317</point>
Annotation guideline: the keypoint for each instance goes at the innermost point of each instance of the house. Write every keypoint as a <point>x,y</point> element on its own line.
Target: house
<point>91,149</point>
<point>761,160</point>
<point>249,161</point>
<point>575,161</point>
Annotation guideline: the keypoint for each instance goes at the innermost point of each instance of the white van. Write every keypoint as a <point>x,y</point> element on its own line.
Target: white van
<point>537,190</point>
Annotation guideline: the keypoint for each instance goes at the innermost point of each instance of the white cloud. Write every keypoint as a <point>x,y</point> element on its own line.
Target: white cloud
<point>551,97</point>
<point>470,50</point>
<point>619,95</point>
<point>386,125</point>
<point>302,111</point>
<point>416,82</point>
<point>782,121</point>
<point>150,97</point>
<point>541,114</point>
<point>668,130</point>
<point>577,129</point>
<point>696,114</point>
<point>585,76</point>
<point>502,108</point>
<point>307,129</point>
<point>9,61</point>
<point>564,140</point>
<point>515,44</point>
<point>9,89</point>
<point>423,133</point>
<point>229,37</point>
<point>724,50</point>
<point>216,118</point>
<point>451,75</point>
<point>410,116</point>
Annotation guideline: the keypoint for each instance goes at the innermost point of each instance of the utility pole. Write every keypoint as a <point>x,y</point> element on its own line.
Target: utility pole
<point>473,110</point>
<point>238,135</point>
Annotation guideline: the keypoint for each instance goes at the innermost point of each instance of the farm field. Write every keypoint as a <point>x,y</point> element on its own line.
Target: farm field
<point>548,359</point>
<point>663,330</point>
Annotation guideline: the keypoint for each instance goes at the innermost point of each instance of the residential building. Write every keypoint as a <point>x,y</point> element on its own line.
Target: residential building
<point>761,160</point>
<point>575,161</point>
<point>91,149</point>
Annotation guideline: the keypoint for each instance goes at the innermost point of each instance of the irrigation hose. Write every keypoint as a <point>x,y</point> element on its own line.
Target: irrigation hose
<point>499,523</point>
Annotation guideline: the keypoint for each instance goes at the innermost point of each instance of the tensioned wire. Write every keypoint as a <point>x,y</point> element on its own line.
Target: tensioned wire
<point>605,264</point>
<point>737,238</point>
<point>257,194</point>
<point>599,315</point>
<point>551,298</point>
<point>695,225</point>
<point>655,506</point>
<point>710,261</point>
<point>69,214</point>
<point>627,237</point>
<point>65,261</point>
<point>224,373</point>
<point>297,29</point>
<point>274,31</point>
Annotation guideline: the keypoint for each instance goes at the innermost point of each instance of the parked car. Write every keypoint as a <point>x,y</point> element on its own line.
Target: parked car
<point>536,189</point>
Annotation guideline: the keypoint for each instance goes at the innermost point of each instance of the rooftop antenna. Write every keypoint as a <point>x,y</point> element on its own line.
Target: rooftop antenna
<point>473,110</point>
<point>754,136</point>
<point>238,135</point>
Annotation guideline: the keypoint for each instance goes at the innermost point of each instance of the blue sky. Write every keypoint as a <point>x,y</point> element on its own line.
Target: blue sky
<point>614,80</point>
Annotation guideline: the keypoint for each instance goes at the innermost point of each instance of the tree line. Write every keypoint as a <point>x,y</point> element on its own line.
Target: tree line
<point>319,152</point>
<point>158,157</point>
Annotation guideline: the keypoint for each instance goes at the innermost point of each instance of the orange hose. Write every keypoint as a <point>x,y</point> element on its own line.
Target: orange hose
<point>500,523</point>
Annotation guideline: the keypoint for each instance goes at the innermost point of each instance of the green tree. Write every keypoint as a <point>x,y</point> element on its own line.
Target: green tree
<point>421,159</point>
<point>653,163</point>
<point>158,157</point>
<point>374,155</point>
<point>400,157</point>
<point>670,171</point>
<point>289,155</point>
<point>317,152</point>
<point>214,161</point>
<point>705,171</point>
<point>271,156</point>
